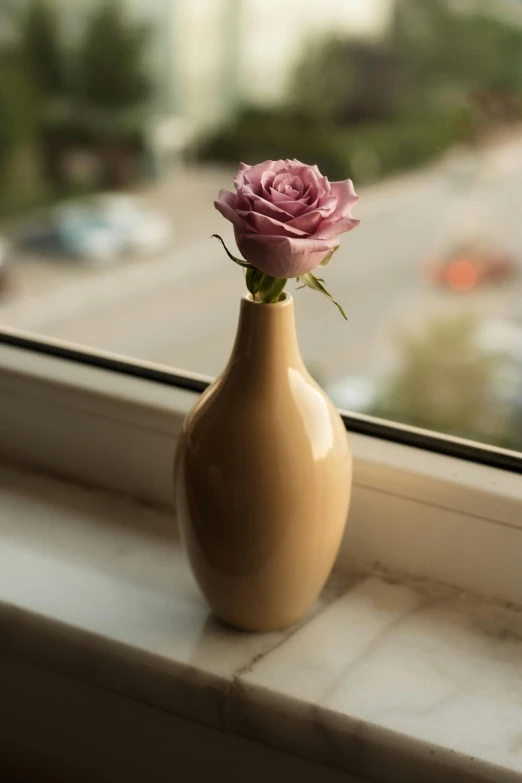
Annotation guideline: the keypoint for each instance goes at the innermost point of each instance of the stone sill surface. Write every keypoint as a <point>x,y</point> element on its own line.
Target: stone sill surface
<point>387,680</point>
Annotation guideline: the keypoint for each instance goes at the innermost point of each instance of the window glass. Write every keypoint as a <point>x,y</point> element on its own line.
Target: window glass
<point>120,122</point>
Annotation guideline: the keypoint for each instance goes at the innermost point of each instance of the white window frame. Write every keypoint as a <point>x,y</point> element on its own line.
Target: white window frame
<point>430,506</point>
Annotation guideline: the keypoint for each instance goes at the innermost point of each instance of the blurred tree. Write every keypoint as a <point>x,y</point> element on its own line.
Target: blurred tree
<point>342,82</point>
<point>20,165</point>
<point>54,102</point>
<point>41,51</point>
<point>446,53</point>
<point>445,382</point>
<point>38,74</point>
<point>111,72</point>
<point>112,86</point>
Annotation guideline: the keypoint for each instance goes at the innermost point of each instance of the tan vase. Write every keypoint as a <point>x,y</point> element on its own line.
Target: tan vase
<point>263,478</point>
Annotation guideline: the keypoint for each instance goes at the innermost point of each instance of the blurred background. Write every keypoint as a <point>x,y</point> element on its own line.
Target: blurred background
<point>120,121</point>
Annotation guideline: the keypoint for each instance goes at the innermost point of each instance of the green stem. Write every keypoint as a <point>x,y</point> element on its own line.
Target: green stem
<point>271,288</point>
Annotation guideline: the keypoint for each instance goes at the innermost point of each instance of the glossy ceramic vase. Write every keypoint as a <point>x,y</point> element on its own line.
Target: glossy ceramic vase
<point>263,478</point>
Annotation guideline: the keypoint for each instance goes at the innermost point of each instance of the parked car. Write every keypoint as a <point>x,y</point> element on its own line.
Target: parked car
<point>469,265</point>
<point>100,229</point>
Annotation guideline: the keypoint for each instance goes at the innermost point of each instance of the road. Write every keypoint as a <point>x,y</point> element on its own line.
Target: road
<point>181,309</point>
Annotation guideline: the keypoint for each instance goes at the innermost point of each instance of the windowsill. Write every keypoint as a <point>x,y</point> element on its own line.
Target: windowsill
<point>387,680</point>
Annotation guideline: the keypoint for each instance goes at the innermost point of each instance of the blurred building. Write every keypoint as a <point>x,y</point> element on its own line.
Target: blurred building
<point>214,54</point>
<point>207,55</point>
<point>273,36</point>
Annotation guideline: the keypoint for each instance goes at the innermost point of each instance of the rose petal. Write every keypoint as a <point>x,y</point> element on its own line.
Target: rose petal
<point>283,256</point>
<point>243,201</point>
<point>294,208</point>
<point>265,183</point>
<point>286,215</point>
<point>309,222</point>
<point>267,225</point>
<point>310,175</point>
<point>285,181</point>
<point>306,192</point>
<point>327,205</point>
<point>281,198</point>
<point>333,227</point>
<point>345,195</point>
<point>226,204</point>
<point>253,174</point>
<point>239,179</point>
<point>254,203</point>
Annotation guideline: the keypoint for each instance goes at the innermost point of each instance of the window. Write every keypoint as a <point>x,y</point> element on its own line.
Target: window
<point>120,122</point>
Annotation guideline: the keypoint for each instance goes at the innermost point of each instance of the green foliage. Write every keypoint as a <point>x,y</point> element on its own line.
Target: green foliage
<point>21,182</point>
<point>326,260</point>
<point>266,288</point>
<point>53,99</point>
<point>261,285</point>
<point>405,142</point>
<point>317,284</point>
<point>444,382</point>
<point>270,288</point>
<point>253,278</point>
<point>340,82</point>
<point>388,147</point>
<point>324,81</point>
<point>371,109</point>
<point>238,261</point>
<point>446,54</point>
<point>40,49</point>
<point>111,74</point>
<point>260,135</point>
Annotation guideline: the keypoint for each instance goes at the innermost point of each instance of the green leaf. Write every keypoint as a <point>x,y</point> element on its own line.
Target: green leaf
<point>270,288</point>
<point>253,279</point>
<point>250,280</point>
<point>229,254</point>
<point>326,260</point>
<point>312,282</point>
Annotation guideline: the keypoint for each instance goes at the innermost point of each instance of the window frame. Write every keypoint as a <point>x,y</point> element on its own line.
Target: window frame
<point>427,505</point>
<point>383,429</point>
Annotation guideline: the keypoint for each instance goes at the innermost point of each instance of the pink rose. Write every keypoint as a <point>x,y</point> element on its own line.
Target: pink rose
<point>287,217</point>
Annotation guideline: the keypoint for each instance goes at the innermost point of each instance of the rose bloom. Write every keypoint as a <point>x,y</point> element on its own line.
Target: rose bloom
<point>287,217</point>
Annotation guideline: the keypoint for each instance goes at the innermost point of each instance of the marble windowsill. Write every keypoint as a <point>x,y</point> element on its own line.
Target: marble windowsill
<point>387,680</point>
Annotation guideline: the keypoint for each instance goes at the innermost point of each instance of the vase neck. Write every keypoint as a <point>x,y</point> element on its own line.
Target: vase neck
<point>266,335</point>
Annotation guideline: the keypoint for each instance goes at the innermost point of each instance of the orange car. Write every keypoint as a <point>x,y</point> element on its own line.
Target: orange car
<point>470,265</point>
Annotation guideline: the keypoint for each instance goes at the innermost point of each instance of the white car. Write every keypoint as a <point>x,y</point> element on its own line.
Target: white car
<point>102,229</point>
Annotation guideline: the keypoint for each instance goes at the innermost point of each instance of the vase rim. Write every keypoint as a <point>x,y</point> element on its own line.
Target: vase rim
<point>284,300</point>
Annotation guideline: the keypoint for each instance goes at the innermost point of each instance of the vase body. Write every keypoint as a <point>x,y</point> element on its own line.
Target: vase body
<point>263,478</point>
